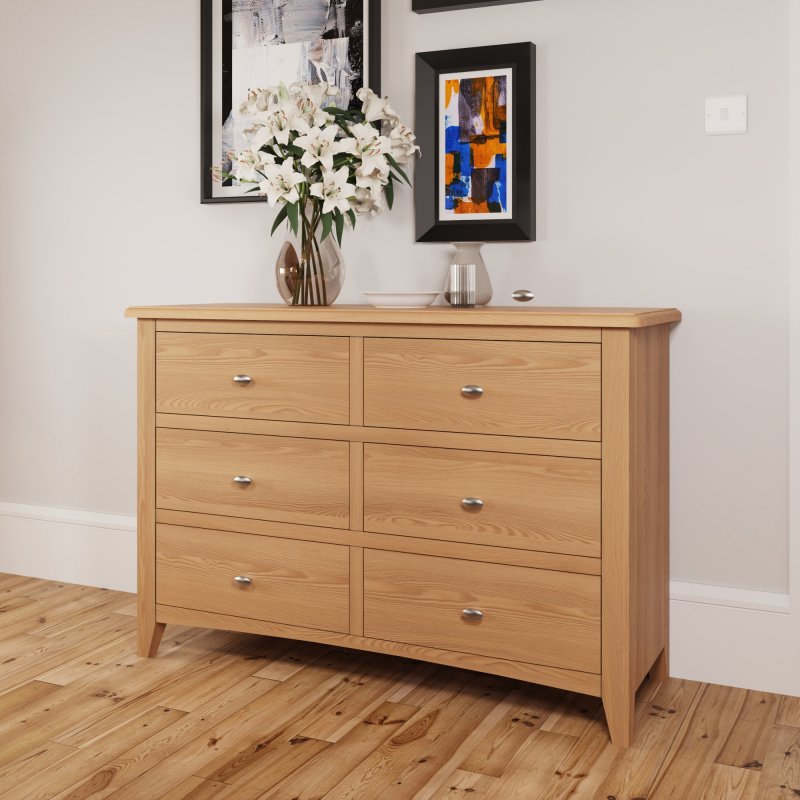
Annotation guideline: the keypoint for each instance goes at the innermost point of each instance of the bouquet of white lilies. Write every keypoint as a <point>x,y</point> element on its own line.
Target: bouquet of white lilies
<point>323,165</point>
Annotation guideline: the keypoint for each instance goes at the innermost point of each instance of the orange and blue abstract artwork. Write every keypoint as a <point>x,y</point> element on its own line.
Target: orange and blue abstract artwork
<point>476,152</point>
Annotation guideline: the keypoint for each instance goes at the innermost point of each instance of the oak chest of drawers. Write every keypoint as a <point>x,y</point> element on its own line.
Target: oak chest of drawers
<point>481,488</point>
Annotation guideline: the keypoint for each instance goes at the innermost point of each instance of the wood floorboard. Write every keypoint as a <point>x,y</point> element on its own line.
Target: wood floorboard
<point>224,716</point>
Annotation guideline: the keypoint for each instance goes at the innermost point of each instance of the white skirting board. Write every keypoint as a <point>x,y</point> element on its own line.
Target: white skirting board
<point>60,544</point>
<point>735,637</point>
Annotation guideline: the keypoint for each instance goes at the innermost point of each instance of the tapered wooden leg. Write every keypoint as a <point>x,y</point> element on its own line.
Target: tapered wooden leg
<point>150,634</point>
<point>149,631</point>
<point>619,716</point>
<point>660,669</point>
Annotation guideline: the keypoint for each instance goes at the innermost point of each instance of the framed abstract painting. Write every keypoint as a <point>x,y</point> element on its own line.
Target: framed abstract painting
<point>426,6</point>
<point>476,125</point>
<point>260,43</point>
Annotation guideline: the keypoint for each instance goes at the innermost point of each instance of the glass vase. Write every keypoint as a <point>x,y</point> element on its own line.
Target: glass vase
<point>470,253</point>
<point>309,272</point>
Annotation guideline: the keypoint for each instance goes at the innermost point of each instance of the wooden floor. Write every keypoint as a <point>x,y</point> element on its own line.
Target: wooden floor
<point>235,717</point>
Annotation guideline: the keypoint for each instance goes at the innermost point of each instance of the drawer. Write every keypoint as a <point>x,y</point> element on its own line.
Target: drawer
<point>523,501</point>
<point>292,378</point>
<point>303,481</point>
<point>290,582</point>
<point>543,389</point>
<point>529,615</point>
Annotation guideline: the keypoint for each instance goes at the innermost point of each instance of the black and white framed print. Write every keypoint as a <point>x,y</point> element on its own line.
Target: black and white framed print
<point>476,126</point>
<point>426,6</point>
<point>248,44</point>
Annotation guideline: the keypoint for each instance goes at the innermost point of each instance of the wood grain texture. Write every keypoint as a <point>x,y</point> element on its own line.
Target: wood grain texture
<point>294,378</point>
<point>537,616</point>
<point>730,783</point>
<point>149,631</point>
<point>334,724</point>
<point>789,712</point>
<point>635,517</point>
<point>530,502</point>
<point>690,760</point>
<point>404,544</point>
<point>780,777</point>
<point>356,486</point>
<point>394,330</point>
<point>293,582</point>
<point>356,591</point>
<point>747,745</point>
<point>302,481</point>
<point>618,657</point>
<point>345,433</point>
<point>399,440</point>
<point>356,363</point>
<point>486,315</point>
<point>323,772</point>
<point>650,490</point>
<point>570,680</point>
<point>543,389</point>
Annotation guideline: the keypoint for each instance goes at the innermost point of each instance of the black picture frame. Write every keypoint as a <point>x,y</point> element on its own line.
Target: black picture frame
<point>429,6</point>
<point>521,227</point>
<point>208,158</point>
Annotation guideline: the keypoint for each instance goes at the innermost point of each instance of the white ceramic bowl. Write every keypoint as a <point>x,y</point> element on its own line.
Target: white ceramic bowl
<point>400,299</point>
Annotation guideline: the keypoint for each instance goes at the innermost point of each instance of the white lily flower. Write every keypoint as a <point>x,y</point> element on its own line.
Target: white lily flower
<point>402,144</point>
<point>375,108</point>
<point>276,118</point>
<point>314,115</point>
<point>320,146</point>
<point>278,124</point>
<point>334,190</point>
<point>317,93</point>
<point>259,136</point>
<point>373,182</point>
<point>281,182</point>
<point>367,202</point>
<point>309,100</point>
<point>258,100</point>
<point>374,167</point>
<point>371,148</point>
<point>251,164</point>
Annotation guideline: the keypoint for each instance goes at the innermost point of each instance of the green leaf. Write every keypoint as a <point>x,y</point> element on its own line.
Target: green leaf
<point>282,214</point>
<point>397,168</point>
<point>339,226</point>
<point>389,192</point>
<point>293,212</point>
<point>352,215</point>
<point>327,224</point>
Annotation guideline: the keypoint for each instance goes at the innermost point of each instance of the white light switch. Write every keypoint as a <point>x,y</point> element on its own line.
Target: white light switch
<point>726,115</point>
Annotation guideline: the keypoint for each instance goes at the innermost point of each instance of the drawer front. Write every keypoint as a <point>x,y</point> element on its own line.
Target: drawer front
<point>532,502</point>
<point>529,615</point>
<point>292,378</point>
<point>281,580</point>
<point>543,389</point>
<point>303,481</point>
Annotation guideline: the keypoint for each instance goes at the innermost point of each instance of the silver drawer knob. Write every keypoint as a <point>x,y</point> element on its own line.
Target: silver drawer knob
<point>472,614</point>
<point>523,295</point>
<point>242,380</point>
<point>472,503</point>
<point>243,480</point>
<point>472,392</point>
<point>243,580</point>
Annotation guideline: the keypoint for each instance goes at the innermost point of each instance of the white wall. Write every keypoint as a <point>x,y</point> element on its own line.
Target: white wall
<point>99,210</point>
